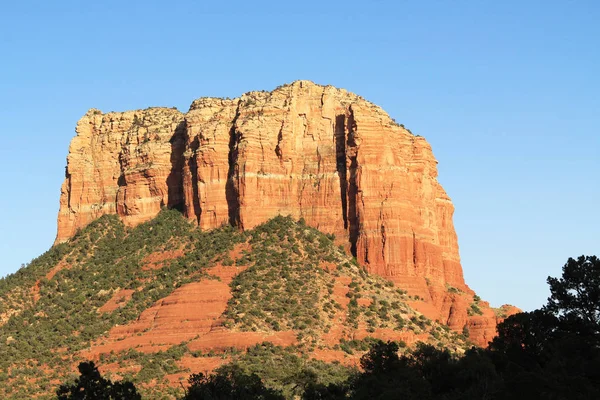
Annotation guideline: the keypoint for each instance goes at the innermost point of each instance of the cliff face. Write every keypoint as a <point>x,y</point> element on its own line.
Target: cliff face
<point>315,152</point>
<point>125,163</point>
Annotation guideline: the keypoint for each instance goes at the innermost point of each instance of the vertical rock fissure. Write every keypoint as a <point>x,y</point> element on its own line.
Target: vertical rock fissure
<point>383,239</point>
<point>278,151</point>
<point>121,207</point>
<point>340,163</point>
<point>360,228</point>
<point>414,252</point>
<point>68,185</point>
<point>193,168</point>
<point>383,233</point>
<point>232,194</point>
<point>353,183</point>
<point>175,179</point>
<point>382,221</point>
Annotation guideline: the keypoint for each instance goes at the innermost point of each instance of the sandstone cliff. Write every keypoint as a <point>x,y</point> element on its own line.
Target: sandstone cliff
<point>125,163</point>
<point>313,152</point>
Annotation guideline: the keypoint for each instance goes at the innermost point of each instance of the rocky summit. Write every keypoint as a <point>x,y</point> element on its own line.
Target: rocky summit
<point>289,229</point>
<point>309,151</point>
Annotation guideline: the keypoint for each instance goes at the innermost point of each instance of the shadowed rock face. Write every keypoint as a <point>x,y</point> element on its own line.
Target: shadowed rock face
<point>310,151</point>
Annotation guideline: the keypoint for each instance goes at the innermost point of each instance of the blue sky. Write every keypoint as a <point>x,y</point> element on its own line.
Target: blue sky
<point>507,93</point>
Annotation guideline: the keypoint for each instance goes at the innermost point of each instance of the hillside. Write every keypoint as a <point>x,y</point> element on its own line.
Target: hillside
<point>309,151</point>
<point>163,299</point>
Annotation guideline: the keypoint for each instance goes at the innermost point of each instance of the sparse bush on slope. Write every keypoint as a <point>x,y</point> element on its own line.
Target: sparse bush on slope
<point>47,322</point>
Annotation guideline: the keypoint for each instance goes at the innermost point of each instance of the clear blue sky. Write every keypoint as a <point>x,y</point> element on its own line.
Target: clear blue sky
<point>507,93</point>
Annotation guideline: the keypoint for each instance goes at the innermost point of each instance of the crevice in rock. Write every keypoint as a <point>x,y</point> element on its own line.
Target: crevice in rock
<point>175,195</point>
<point>121,207</point>
<point>193,167</point>
<point>414,252</point>
<point>382,221</point>
<point>340,158</point>
<point>278,150</point>
<point>232,186</point>
<point>353,183</point>
<point>359,228</point>
<point>383,240</point>
<point>69,190</point>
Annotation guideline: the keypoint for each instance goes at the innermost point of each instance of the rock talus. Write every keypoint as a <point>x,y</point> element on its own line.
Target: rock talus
<point>310,151</point>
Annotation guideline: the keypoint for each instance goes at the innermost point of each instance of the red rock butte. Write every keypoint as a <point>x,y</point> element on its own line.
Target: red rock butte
<point>305,150</point>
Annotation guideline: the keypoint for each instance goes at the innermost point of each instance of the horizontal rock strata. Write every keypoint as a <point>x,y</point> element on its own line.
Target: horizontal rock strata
<point>310,151</point>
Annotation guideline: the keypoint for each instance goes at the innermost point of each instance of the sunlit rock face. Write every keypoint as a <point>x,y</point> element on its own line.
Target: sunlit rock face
<point>310,151</point>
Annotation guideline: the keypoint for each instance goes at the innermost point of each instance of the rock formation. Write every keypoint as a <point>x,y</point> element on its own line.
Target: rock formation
<point>314,152</point>
<point>125,163</point>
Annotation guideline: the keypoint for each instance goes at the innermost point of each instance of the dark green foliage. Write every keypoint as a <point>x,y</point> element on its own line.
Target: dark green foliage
<point>465,331</point>
<point>230,384</point>
<point>426,373</point>
<point>285,287</point>
<point>282,289</point>
<point>14,288</point>
<point>575,297</point>
<point>101,259</point>
<point>153,365</point>
<point>538,359</point>
<point>381,358</point>
<point>551,353</point>
<point>387,376</point>
<point>474,309</point>
<point>452,289</point>
<point>157,365</point>
<point>349,346</point>
<point>315,391</point>
<point>284,369</point>
<point>91,385</point>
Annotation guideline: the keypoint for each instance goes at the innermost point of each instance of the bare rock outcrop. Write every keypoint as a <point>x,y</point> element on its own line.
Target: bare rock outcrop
<point>310,151</point>
<point>126,163</point>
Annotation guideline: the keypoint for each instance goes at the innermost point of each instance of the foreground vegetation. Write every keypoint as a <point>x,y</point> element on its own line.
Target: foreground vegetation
<point>551,353</point>
<point>48,321</point>
<point>292,280</point>
<point>50,310</point>
<point>289,285</point>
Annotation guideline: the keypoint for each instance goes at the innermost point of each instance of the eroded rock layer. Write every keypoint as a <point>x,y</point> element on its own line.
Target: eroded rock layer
<point>126,163</point>
<point>310,151</point>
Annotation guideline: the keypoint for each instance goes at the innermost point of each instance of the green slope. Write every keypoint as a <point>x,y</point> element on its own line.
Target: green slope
<point>288,284</point>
